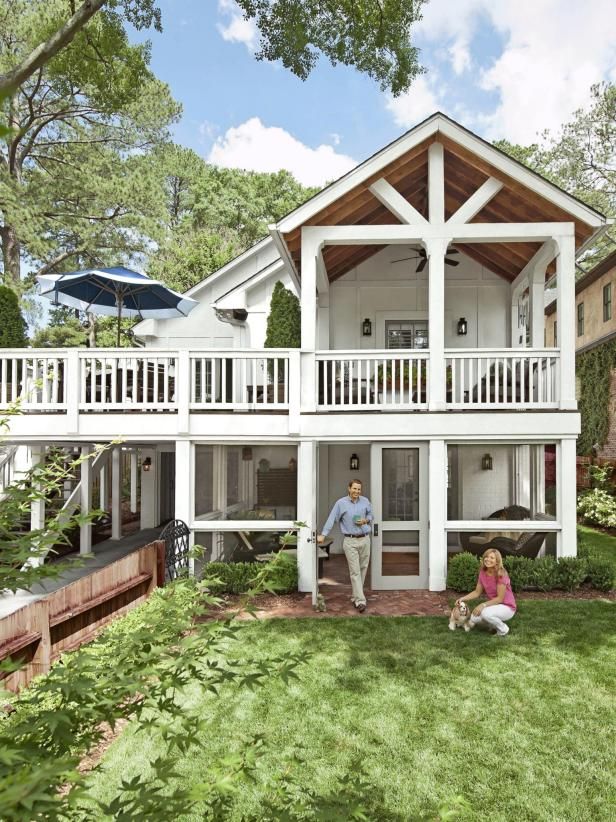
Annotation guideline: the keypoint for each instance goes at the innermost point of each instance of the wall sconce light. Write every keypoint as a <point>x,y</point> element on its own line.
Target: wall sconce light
<point>354,462</point>
<point>147,463</point>
<point>366,327</point>
<point>246,453</point>
<point>292,464</point>
<point>462,327</point>
<point>486,462</point>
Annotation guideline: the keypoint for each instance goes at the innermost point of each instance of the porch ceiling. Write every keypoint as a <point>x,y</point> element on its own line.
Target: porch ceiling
<point>464,173</point>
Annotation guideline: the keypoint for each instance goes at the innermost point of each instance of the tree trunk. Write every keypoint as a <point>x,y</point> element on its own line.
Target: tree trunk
<point>11,250</point>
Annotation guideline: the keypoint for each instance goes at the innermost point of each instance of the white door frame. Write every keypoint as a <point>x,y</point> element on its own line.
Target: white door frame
<point>378,580</point>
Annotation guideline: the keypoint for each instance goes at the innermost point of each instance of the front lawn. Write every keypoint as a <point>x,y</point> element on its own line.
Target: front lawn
<point>519,726</point>
<point>600,544</point>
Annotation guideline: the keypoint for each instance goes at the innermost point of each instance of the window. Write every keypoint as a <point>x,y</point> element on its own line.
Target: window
<point>580,319</point>
<point>555,333</point>
<point>406,334</point>
<point>607,302</point>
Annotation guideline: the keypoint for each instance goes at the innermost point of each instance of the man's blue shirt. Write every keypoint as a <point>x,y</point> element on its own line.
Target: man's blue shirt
<point>343,512</point>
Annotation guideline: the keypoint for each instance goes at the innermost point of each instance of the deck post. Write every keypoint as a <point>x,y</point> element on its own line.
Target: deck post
<point>565,307</point>
<point>116,493</point>
<point>437,515</point>
<point>566,538</point>
<point>310,249</point>
<point>85,500</point>
<point>184,484</point>
<point>37,507</point>
<point>306,551</point>
<point>149,484</point>
<point>134,473</point>
<point>435,249</point>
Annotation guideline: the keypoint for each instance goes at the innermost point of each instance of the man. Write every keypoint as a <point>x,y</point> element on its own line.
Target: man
<point>354,513</point>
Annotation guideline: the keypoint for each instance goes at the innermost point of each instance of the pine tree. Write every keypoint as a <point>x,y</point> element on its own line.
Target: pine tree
<point>12,323</point>
<point>284,319</point>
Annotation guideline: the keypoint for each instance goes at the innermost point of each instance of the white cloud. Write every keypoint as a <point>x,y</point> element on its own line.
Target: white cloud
<point>257,147</point>
<point>235,29</point>
<point>419,102</point>
<point>553,51</point>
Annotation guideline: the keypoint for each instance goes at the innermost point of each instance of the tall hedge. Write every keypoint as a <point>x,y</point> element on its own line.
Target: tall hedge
<point>284,320</point>
<point>12,324</point>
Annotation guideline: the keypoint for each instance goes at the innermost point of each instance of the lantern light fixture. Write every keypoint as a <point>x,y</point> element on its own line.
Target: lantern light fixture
<point>486,462</point>
<point>354,462</point>
<point>366,327</point>
<point>147,464</point>
<point>462,327</point>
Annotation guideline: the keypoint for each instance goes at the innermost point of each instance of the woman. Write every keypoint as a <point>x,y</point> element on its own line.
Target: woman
<point>494,582</point>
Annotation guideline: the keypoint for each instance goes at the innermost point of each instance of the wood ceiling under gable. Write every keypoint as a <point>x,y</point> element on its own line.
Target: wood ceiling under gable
<point>464,173</point>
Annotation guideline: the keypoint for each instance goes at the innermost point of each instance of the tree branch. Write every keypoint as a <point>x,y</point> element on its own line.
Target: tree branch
<point>45,51</point>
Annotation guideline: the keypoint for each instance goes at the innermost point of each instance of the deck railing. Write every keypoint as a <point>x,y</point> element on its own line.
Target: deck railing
<point>172,381</point>
<point>502,378</point>
<point>374,380</point>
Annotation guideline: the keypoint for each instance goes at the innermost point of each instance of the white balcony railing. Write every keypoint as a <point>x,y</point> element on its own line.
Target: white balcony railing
<point>375,380</point>
<point>502,378</point>
<point>106,380</point>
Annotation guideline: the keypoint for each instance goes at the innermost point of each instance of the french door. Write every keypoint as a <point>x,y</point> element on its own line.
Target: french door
<point>399,495</point>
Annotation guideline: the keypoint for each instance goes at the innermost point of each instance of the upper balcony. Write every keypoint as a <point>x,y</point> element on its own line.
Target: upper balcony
<point>81,383</point>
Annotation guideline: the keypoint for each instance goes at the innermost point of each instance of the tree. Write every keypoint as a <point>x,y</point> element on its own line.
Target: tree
<point>581,158</point>
<point>75,178</point>
<point>370,35</point>
<point>12,323</point>
<point>284,319</point>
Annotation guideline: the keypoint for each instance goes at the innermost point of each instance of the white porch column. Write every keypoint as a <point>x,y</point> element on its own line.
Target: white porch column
<point>306,505</point>
<point>310,250</point>
<point>565,307</point>
<point>437,515</point>
<point>149,484</point>
<point>435,249</point>
<point>37,507</point>
<point>85,500</point>
<point>184,484</point>
<point>566,539</point>
<point>134,474</point>
<point>102,488</point>
<point>116,493</point>
<point>537,308</point>
<point>517,333</point>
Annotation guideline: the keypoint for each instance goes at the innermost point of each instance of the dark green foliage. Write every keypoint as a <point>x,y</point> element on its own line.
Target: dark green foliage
<point>12,323</point>
<point>593,369</point>
<point>521,572</point>
<point>546,573</point>
<point>284,319</point>
<point>229,577</point>
<point>463,572</point>
<point>601,574</point>
<point>240,577</point>
<point>572,571</point>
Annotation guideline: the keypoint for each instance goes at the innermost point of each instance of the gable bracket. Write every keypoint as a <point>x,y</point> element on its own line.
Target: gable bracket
<point>476,201</point>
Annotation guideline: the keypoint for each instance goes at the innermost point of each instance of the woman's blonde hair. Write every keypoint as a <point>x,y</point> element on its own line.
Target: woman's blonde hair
<point>500,568</point>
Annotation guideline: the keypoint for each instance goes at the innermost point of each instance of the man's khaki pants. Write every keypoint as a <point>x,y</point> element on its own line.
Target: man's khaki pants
<point>357,552</point>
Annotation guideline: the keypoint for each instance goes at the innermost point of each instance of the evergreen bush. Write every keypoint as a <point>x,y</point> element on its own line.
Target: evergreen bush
<point>600,574</point>
<point>239,577</point>
<point>284,323</point>
<point>572,571</point>
<point>463,572</point>
<point>12,324</point>
<point>521,572</point>
<point>546,573</point>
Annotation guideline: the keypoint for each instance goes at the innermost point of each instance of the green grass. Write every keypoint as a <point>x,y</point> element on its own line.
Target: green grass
<point>519,726</point>
<point>600,544</point>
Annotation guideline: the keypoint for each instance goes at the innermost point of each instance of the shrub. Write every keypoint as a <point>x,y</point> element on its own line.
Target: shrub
<point>601,574</point>
<point>281,576</point>
<point>571,572</point>
<point>12,323</point>
<point>545,573</point>
<point>463,571</point>
<point>230,577</point>
<point>597,507</point>
<point>521,572</point>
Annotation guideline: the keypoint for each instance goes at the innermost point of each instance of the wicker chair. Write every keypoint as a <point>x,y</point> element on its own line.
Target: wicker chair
<point>527,545</point>
<point>510,512</point>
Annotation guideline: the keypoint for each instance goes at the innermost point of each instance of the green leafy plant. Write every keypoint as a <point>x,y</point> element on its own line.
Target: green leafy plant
<point>463,572</point>
<point>597,507</point>
<point>546,573</point>
<point>521,572</point>
<point>572,571</point>
<point>601,574</point>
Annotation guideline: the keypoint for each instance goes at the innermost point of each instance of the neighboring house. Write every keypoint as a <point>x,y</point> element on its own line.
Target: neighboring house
<point>423,369</point>
<point>595,325</point>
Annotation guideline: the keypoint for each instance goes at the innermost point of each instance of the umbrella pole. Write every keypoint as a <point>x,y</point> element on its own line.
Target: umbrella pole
<point>119,321</point>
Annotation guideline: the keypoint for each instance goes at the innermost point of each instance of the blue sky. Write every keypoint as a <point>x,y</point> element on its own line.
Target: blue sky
<point>503,69</point>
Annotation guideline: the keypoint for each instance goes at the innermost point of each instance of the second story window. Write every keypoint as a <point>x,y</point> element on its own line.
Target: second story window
<point>580,319</point>
<point>607,302</point>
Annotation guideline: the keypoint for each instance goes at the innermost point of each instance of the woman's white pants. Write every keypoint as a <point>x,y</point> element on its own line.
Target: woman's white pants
<point>495,616</point>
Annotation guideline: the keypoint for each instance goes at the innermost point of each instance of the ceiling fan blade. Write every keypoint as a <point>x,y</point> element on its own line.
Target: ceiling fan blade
<point>421,265</point>
<point>452,250</point>
<point>452,262</point>
<point>403,259</point>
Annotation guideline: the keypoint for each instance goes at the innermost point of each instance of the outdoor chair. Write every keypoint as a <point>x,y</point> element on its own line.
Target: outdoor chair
<point>510,512</point>
<point>527,545</point>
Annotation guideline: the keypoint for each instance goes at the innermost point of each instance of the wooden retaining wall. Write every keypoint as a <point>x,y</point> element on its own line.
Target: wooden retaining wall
<point>41,631</point>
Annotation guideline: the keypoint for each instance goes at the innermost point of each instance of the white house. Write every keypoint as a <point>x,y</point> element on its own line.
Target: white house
<point>421,275</point>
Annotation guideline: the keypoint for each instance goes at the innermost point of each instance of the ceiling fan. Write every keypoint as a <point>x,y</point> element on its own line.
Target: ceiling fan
<point>423,258</point>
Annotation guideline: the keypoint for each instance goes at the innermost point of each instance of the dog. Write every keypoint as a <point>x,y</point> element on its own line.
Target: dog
<point>460,617</point>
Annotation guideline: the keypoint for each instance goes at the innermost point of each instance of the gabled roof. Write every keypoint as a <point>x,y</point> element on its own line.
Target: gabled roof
<point>469,161</point>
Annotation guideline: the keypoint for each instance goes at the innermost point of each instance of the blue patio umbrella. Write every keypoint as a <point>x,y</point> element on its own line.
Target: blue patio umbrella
<point>116,291</point>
